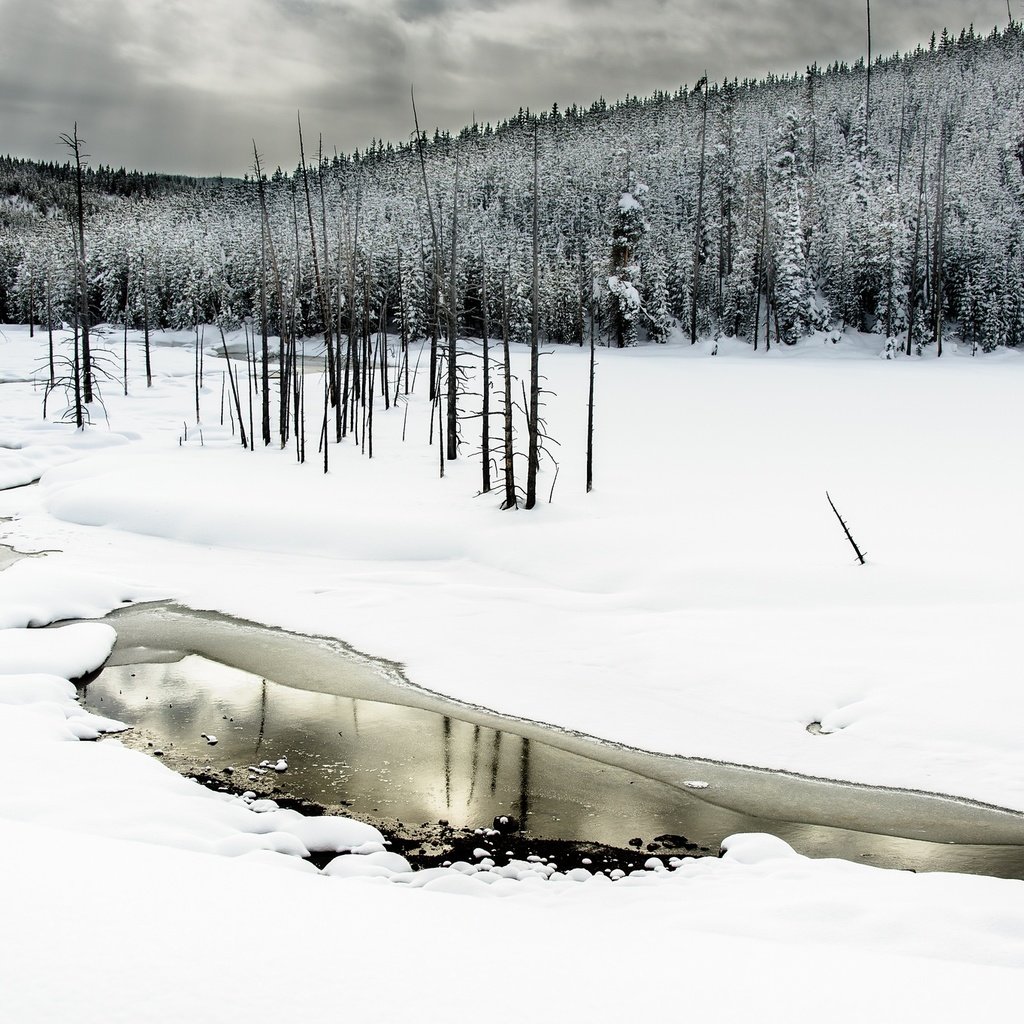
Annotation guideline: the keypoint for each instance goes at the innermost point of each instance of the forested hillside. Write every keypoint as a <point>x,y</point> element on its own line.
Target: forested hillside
<point>763,209</point>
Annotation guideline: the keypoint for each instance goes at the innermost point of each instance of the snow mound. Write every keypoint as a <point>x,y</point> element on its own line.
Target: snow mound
<point>756,848</point>
<point>67,651</point>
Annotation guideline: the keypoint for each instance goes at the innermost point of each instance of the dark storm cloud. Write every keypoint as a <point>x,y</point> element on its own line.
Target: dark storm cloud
<point>185,84</point>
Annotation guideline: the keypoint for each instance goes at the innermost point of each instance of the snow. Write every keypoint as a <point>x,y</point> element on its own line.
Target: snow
<point>701,601</point>
<point>69,651</point>
<point>628,203</point>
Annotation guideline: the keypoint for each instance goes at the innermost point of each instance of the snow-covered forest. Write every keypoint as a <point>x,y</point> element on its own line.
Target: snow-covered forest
<point>891,202</point>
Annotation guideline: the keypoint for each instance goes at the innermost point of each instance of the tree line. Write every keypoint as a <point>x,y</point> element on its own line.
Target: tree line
<point>887,196</point>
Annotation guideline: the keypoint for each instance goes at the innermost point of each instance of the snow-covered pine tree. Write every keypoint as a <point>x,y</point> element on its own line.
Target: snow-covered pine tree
<point>629,226</point>
<point>792,291</point>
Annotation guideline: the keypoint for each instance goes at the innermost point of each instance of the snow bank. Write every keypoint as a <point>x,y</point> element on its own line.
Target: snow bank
<point>106,789</point>
<point>827,952</point>
<point>69,651</point>
<point>53,588</point>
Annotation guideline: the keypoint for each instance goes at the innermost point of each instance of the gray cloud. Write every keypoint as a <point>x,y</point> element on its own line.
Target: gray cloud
<point>182,85</point>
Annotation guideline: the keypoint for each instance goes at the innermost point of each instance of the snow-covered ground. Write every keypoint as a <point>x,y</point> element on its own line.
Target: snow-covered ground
<point>702,600</point>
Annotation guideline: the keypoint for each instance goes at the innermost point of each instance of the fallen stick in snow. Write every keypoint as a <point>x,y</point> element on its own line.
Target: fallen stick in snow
<point>846,529</point>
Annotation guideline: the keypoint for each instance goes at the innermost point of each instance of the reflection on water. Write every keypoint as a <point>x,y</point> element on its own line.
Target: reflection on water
<point>387,761</point>
<point>405,767</point>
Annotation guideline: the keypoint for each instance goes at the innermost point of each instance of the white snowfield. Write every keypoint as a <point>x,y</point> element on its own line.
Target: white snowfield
<point>702,600</point>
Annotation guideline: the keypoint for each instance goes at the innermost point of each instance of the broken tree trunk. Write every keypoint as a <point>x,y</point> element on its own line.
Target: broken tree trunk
<point>846,530</point>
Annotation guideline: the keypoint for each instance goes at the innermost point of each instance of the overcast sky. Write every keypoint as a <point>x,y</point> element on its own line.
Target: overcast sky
<point>183,85</point>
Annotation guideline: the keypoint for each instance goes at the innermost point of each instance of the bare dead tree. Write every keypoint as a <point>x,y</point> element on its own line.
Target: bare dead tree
<point>369,416</point>
<point>453,325</point>
<point>939,242</point>
<point>511,500</point>
<point>351,351</point>
<point>867,88</point>
<point>268,249</point>
<point>298,382</point>
<point>698,228</point>
<point>404,330</point>
<point>49,326</point>
<point>902,137</point>
<point>590,413</point>
<point>914,279</point>
<point>332,354</point>
<point>846,530</point>
<point>436,276</point>
<point>234,388</point>
<point>124,327</point>
<point>145,320</point>
<point>74,143</point>
<point>195,368</point>
<point>485,429</point>
<point>762,256</point>
<point>324,446</point>
<point>320,293</point>
<point>532,456</point>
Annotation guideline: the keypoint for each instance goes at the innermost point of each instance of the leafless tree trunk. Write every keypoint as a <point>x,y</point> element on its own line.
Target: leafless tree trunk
<point>234,389</point>
<point>436,285</point>
<point>510,478</point>
<point>351,355</point>
<point>912,313</point>
<point>590,413</point>
<point>453,326</point>
<point>124,326</point>
<point>145,320</point>
<point>532,456</point>
<point>320,293</point>
<point>846,530</point>
<point>268,249</point>
<point>76,370</point>
<point>195,368</point>
<point>940,232</point>
<point>762,258</point>
<point>404,329</point>
<point>49,328</point>
<point>867,91</point>
<point>332,356</point>
<point>74,143</point>
<point>485,415</point>
<point>698,228</point>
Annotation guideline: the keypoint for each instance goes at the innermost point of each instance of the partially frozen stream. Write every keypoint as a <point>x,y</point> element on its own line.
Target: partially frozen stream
<point>358,739</point>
